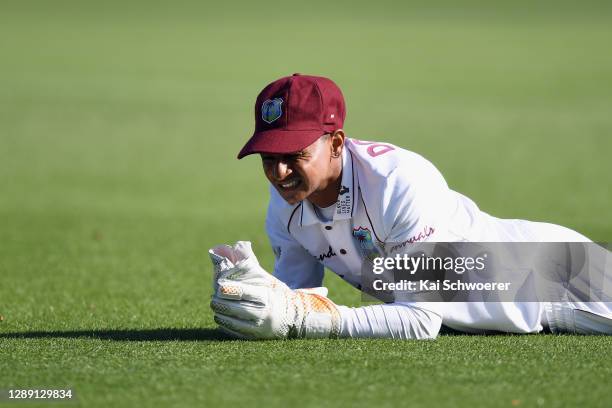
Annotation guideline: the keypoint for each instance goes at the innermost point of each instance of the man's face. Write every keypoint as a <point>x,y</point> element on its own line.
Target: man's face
<point>300,175</point>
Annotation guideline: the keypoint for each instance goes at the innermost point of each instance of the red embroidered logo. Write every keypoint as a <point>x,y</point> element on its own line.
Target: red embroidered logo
<point>374,149</point>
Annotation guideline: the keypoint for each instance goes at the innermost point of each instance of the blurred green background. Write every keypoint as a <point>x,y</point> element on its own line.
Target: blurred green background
<point>119,127</point>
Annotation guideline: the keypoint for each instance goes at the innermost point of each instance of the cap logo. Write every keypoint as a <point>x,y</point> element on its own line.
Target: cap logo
<point>271,110</point>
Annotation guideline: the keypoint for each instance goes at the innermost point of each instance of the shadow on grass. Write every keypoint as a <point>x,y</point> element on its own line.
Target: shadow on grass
<point>125,335</point>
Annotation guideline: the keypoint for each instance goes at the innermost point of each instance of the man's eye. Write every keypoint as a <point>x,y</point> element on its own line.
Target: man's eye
<point>289,158</point>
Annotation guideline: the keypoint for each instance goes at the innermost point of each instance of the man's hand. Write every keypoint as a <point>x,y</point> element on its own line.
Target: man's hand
<point>250,303</point>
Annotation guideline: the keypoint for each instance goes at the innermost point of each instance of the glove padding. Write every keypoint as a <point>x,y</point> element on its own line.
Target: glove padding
<point>250,303</point>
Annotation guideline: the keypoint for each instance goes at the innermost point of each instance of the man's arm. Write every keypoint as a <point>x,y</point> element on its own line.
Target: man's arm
<point>298,269</point>
<point>389,321</point>
<point>250,303</point>
<point>293,264</point>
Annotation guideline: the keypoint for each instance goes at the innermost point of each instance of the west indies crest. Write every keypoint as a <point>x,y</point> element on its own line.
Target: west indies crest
<point>365,243</point>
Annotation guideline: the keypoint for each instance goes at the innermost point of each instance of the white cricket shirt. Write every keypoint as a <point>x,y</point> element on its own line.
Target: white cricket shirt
<point>392,195</point>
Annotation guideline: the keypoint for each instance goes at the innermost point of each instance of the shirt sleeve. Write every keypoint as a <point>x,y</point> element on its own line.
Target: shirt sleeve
<point>293,264</point>
<point>389,321</point>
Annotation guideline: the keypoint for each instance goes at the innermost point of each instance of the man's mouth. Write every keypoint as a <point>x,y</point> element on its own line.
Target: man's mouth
<point>290,185</point>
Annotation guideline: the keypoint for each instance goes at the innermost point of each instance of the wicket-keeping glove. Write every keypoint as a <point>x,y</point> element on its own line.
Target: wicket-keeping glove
<point>250,303</point>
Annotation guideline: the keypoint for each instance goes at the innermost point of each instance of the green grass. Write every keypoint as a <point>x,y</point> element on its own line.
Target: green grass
<point>108,369</point>
<point>119,126</point>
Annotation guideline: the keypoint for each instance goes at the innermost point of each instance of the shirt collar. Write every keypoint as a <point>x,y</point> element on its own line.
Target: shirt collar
<point>346,195</point>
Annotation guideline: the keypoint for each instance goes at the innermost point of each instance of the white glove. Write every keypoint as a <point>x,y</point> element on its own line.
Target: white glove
<point>250,303</point>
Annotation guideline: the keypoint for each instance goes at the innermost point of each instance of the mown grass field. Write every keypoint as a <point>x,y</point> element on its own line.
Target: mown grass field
<point>119,126</point>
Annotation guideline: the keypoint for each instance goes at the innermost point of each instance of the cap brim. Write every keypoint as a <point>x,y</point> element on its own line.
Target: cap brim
<point>278,141</point>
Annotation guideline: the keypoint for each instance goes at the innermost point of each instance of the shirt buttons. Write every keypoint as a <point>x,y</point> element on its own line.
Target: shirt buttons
<point>328,227</point>
<point>343,251</point>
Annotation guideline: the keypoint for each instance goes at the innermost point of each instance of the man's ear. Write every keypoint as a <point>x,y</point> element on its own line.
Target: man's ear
<point>337,142</point>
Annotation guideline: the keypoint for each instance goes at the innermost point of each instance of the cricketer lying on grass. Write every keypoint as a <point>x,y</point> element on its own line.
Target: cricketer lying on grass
<point>336,201</point>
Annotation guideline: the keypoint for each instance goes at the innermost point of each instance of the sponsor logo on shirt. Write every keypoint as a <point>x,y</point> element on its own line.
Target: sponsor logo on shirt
<point>343,190</point>
<point>327,254</point>
<point>374,148</point>
<point>427,231</point>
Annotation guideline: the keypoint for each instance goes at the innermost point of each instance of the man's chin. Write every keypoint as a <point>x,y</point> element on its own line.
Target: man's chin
<point>292,197</point>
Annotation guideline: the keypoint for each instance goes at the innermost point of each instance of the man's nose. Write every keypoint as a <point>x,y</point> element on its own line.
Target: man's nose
<point>281,170</point>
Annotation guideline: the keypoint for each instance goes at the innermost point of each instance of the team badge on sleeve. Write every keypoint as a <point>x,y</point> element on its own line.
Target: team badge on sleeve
<point>271,110</point>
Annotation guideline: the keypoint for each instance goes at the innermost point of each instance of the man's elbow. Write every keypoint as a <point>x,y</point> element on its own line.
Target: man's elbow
<point>427,325</point>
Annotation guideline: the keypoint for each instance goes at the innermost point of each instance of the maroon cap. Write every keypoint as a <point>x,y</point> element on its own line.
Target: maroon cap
<point>294,111</point>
